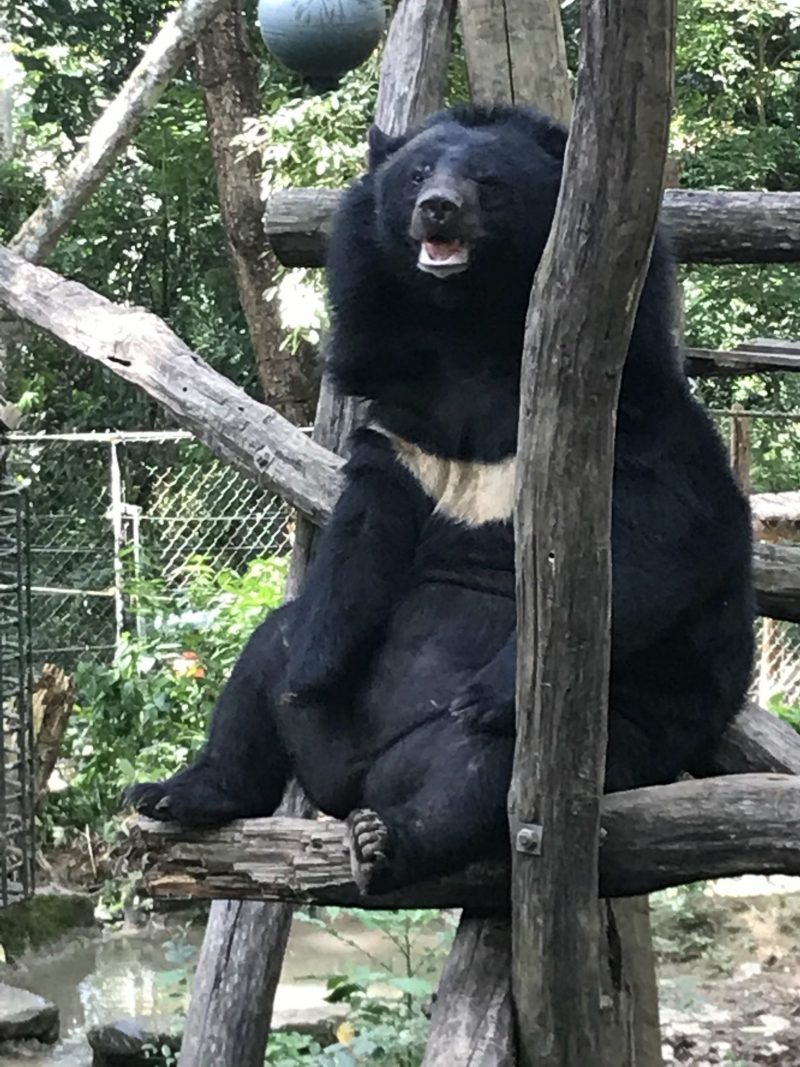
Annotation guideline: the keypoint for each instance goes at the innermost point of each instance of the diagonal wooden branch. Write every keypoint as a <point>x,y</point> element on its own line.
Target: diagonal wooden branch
<point>140,348</point>
<point>114,129</point>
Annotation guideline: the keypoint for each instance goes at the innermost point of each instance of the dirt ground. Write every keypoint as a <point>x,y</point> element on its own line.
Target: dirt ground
<point>729,980</point>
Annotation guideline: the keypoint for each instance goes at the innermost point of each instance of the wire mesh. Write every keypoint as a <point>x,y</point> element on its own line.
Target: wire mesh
<point>98,500</point>
<point>17,843</point>
<point>171,500</point>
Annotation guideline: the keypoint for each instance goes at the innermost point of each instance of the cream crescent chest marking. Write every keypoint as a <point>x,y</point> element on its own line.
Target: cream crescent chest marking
<point>467,491</point>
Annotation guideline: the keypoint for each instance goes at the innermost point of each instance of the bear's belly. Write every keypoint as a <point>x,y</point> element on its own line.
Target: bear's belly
<point>439,636</point>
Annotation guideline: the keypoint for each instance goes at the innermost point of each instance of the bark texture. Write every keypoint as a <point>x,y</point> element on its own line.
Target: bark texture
<point>572,366</point>
<point>229,78</point>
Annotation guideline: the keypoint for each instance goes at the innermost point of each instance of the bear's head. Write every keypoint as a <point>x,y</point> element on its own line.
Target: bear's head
<point>469,190</point>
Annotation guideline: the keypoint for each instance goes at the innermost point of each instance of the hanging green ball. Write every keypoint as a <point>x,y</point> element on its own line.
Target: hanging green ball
<point>321,39</point>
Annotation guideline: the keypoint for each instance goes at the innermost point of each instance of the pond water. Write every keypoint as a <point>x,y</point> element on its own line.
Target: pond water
<point>99,977</point>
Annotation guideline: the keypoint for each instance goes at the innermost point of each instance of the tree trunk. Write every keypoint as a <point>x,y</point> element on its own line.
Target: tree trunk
<point>515,53</point>
<point>229,77</point>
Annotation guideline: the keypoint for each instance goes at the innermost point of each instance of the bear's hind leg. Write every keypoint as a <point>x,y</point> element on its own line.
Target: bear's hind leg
<point>447,812</point>
<point>243,769</point>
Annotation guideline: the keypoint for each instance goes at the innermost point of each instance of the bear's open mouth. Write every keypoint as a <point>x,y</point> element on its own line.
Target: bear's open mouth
<point>443,257</point>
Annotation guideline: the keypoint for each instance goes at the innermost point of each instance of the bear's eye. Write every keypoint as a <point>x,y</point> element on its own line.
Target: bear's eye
<point>488,181</point>
<point>421,174</point>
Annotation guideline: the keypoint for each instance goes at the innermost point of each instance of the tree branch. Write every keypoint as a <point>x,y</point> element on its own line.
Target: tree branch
<point>140,348</point>
<point>38,235</point>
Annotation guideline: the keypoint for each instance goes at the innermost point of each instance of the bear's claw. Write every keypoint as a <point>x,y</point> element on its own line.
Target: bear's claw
<point>368,842</point>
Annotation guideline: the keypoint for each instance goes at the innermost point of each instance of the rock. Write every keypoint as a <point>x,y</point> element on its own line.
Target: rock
<point>132,1042</point>
<point>26,1015</point>
<point>316,1022</point>
<point>44,918</point>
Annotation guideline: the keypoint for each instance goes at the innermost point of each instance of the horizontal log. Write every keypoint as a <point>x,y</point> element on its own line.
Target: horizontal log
<point>776,570</point>
<point>651,839</point>
<point>746,359</point>
<point>706,227</point>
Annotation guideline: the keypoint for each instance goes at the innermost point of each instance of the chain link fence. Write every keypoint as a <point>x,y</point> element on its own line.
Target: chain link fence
<point>107,504</point>
<point>17,843</point>
<point>765,452</point>
<point>160,499</point>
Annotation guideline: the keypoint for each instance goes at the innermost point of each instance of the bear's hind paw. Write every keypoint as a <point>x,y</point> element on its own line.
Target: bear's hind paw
<point>368,842</point>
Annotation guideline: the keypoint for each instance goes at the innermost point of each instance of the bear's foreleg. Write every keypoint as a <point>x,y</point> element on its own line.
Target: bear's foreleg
<point>365,553</point>
<point>486,703</point>
<point>243,768</point>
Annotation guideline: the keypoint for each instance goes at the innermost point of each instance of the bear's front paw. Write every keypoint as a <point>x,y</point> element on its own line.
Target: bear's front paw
<point>481,709</point>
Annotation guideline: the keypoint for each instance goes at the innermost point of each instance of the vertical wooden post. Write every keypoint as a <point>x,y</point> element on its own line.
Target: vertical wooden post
<point>629,1026</point>
<point>572,365</point>
<point>515,54</point>
<point>741,446</point>
<point>245,941</point>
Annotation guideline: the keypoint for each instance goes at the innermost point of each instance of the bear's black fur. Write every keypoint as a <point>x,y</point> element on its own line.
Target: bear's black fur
<point>387,687</point>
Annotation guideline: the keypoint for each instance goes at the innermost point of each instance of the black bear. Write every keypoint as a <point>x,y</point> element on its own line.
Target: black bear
<point>387,686</point>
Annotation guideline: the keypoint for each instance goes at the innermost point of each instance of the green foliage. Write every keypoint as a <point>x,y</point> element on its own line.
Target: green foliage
<point>689,924</point>
<point>145,715</point>
<point>790,713</point>
<point>737,126</point>
<point>386,1022</point>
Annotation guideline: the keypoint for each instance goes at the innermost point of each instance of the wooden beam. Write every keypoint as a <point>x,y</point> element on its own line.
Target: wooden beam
<point>515,53</point>
<point>746,359</point>
<point>651,839</point>
<point>776,570</point>
<point>611,188</point>
<point>733,227</point>
<point>706,227</point>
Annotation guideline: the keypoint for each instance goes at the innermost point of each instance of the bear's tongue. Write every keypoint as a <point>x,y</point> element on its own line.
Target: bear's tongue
<point>441,250</point>
<point>443,257</point>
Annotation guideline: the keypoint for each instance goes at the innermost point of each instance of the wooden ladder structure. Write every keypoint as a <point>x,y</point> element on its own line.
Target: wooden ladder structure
<point>515,53</point>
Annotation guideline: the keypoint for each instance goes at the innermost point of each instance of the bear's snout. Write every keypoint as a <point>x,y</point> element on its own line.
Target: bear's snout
<point>445,223</point>
<point>439,207</point>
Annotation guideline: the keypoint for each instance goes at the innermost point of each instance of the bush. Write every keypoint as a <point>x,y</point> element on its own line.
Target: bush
<point>146,714</point>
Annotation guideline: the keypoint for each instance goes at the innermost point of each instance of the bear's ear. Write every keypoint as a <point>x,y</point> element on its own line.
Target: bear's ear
<point>552,136</point>
<point>381,146</point>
